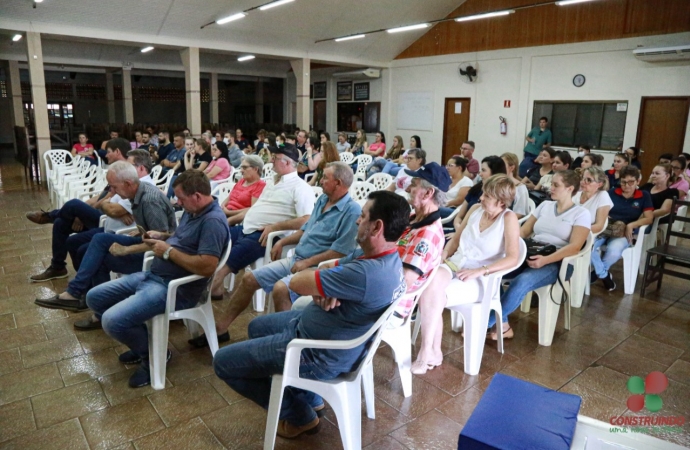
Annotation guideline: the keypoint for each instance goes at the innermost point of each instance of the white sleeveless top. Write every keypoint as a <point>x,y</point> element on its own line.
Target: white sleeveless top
<point>477,248</point>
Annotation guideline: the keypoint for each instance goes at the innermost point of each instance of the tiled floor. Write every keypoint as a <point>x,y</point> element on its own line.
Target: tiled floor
<point>65,389</point>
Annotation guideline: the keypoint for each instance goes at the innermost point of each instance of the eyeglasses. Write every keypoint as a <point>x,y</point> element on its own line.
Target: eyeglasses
<point>676,168</point>
<point>451,165</point>
<point>588,180</point>
<point>628,183</point>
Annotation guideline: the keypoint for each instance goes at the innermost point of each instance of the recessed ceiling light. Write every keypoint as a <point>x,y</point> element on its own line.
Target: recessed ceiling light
<point>230,18</point>
<point>274,4</point>
<point>571,2</point>
<point>16,37</point>
<point>146,49</point>
<point>246,58</point>
<point>485,16</point>
<point>38,1</point>
<point>349,38</point>
<point>408,28</point>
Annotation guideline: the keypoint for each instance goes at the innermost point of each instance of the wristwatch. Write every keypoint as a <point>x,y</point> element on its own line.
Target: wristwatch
<point>166,255</point>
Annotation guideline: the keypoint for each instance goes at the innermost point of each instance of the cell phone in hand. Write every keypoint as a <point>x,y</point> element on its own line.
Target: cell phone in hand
<point>142,232</point>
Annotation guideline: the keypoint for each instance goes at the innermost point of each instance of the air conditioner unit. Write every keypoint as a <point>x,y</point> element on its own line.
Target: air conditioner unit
<point>359,73</point>
<point>677,53</point>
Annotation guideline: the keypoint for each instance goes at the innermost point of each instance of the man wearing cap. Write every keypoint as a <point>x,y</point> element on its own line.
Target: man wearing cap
<point>285,205</point>
<point>421,245</point>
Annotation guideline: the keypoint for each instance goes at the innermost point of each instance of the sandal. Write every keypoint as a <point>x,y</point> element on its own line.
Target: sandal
<point>507,334</point>
<point>422,367</point>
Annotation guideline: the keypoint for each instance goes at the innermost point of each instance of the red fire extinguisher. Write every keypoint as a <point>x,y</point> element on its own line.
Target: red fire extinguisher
<point>504,125</point>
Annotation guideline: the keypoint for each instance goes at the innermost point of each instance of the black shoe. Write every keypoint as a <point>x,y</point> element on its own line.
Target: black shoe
<point>593,277</point>
<point>534,301</point>
<point>201,341</point>
<point>55,302</point>
<point>88,324</point>
<point>609,284</point>
<point>49,274</point>
<point>129,357</point>
<point>142,376</point>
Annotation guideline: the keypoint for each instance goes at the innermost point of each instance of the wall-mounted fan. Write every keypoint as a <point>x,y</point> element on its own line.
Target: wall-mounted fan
<point>468,71</point>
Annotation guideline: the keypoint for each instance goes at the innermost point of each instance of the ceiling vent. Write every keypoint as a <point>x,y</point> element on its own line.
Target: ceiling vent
<point>677,53</point>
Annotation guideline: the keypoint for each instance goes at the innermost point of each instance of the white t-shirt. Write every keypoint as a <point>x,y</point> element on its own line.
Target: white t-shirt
<point>601,198</point>
<point>289,198</point>
<point>112,225</point>
<point>553,228</point>
<point>521,204</point>
<point>453,191</point>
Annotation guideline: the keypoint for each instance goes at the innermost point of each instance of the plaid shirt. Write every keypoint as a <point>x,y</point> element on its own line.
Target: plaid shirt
<point>420,249</point>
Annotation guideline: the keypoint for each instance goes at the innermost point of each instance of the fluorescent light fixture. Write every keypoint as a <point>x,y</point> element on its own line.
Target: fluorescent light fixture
<point>16,37</point>
<point>274,4</point>
<point>571,2</point>
<point>146,49</point>
<point>38,1</point>
<point>246,58</point>
<point>349,38</point>
<point>231,18</point>
<point>419,26</point>
<point>485,16</point>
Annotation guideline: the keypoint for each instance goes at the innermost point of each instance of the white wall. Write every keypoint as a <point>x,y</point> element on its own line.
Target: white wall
<point>531,74</point>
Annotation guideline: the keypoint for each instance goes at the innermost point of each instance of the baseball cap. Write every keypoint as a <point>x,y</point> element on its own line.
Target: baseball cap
<point>434,174</point>
<point>288,150</point>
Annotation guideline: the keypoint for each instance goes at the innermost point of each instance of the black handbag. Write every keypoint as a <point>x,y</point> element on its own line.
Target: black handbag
<point>535,248</point>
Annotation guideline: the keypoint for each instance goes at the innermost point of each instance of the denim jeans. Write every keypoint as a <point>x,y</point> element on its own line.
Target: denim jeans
<point>97,262</point>
<point>171,191</point>
<point>391,168</point>
<point>526,164</point>
<point>247,366</point>
<point>124,305</point>
<point>78,243</point>
<point>376,166</point>
<point>62,229</point>
<point>614,251</point>
<point>524,280</point>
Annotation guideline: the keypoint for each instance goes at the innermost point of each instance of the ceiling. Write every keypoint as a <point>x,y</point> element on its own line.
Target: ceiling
<point>110,33</point>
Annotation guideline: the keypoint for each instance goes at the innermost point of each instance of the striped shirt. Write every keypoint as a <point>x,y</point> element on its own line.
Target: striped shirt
<point>152,209</point>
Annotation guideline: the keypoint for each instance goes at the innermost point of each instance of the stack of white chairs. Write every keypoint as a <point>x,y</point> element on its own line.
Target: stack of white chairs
<point>380,180</point>
<point>156,172</point>
<point>66,173</point>
<point>362,161</point>
<point>69,184</point>
<point>52,160</point>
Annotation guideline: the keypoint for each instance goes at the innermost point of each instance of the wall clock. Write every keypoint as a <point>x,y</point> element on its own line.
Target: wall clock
<point>578,80</point>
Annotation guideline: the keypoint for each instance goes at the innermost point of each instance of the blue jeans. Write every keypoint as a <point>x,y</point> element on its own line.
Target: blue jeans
<point>171,191</point>
<point>376,166</point>
<point>62,229</point>
<point>97,262</point>
<point>391,168</point>
<point>124,305</point>
<point>526,164</point>
<point>524,280</point>
<point>614,251</point>
<point>247,366</point>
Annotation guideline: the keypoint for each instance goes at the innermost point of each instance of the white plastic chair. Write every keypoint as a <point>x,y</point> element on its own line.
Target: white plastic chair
<point>473,316</point>
<point>70,183</point>
<point>268,171</point>
<point>347,157</point>
<point>363,162</point>
<point>531,206</point>
<point>380,180</point>
<point>222,192</point>
<point>451,217</point>
<point>632,257</point>
<point>156,173</point>
<point>215,183</point>
<point>163,183</point>
<point>343,393</point>
<point>65,174</point>
<point>317,192</point>
<point>158,326</point>
<point>309,176</point>
<point>551,297</point>
<point>360,190</point>
<point>52,159</point>
<point>580,285</point>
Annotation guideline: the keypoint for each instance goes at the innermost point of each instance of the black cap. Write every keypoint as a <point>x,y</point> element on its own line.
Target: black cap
<point>288,150</point>
<point>434,174</point>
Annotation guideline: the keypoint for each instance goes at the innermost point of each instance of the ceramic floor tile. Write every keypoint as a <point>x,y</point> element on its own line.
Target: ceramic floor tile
<point>541,371</point>
<point>182,402</point>
<point>650,349</point>
<point>223,389</point>
<point>432,430</point>
<point>7,322</point>
<point>38,315</point>
<point>387,443</point>
<point>21,336</point>
<point>605,381</point>
<point>193,434</point>
<point>450,377</point>
<point>594,404</point>
<point>238,426</point>
<point>117,389</point>
<point>10,361</point>
<point>90,366</point>
<point>460,408</point>
<point>630,363</point>
<point>29,382</point>
<point>16,419</point>
<point>190,366</point>
<point>65,435</point>
<point>50,351</point>
<point>679,371</point>
<point>424,398</point>
<point>69,402</point>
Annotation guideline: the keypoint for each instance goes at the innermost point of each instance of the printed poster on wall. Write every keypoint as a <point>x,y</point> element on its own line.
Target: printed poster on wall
<point>361,91</point>
<point>320,89</point>
<point>344,91</point>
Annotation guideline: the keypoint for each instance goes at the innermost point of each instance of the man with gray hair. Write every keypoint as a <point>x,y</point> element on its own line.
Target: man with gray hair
<point>118,253</point>
<point>329,233</point>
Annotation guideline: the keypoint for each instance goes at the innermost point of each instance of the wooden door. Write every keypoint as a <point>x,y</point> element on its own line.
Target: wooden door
<point>319,116</point>
<point>661,129</point>
<point>456,126</point>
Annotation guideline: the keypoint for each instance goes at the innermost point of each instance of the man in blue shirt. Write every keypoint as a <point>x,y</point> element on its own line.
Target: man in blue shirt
<point>124,305</point>
<point>537,139</point>
<point>328,234</point>
<point>348,299</point>
<point>174,155</point>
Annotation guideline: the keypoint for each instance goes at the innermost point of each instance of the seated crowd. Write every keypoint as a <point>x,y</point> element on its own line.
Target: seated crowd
<point>353,258</point>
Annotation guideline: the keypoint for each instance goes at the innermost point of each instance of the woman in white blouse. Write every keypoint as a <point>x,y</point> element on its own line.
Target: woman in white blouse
<point>593,196</point>
<point>459,183</point>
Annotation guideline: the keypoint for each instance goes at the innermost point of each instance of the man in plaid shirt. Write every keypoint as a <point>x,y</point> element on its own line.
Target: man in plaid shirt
<point>421,245</point>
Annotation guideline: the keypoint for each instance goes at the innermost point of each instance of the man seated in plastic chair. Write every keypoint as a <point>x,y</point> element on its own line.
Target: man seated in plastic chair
<point>83,219</point>
<point>329,233</point>
<point>124,305</point>
<point>174,155</point>
<point>120,253</point>
<point>286,205</point>
<point>349,297</point>
<point>421,245</point>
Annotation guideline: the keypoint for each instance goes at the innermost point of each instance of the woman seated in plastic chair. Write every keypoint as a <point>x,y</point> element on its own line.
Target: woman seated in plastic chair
<point>392,154</point>
<point>545,159</point>
<point>620,161</point>
<point>485,242</point>
<point>459,184</point>
<point>329,154</point>
<point>594,198</point>
<point>560,223</point>
<point>247,191</point>
<point>660,190</point>
<point>491,165</point>
<point>631,209</point>
<point>219,168</point>
<point>310,158</point>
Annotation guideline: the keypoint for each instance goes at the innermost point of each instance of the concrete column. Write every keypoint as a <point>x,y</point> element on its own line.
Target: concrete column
<point>110,94</point>
<point>301,69</point>
<point>259,101</point>
<point>14,90</point>
<point>192,82</point>
<point>34,53</point>
<point>127,102</point>
<point>214,98</point>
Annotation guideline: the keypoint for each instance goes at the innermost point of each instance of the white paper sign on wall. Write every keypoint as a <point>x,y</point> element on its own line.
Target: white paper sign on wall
<point>416,110</point>
<point>621,106</point>
<point>458,108</point>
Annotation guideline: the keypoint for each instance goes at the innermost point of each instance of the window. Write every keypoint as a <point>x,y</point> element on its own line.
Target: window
<point>598,124</point>
<point>353,116</point>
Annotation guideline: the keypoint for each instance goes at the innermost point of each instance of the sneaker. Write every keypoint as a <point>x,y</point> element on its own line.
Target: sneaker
<point>289,431</point>
<point>609,284</point>
<point>39,217</point>
<point>142,376</point>
<point>201,341</point>
<point>129,357</point>
<point>49,274</point>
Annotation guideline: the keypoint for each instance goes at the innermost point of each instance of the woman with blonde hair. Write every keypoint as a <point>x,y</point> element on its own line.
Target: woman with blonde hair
<point>393,153</point>
<point>360,143</point>
<point>662,194</point>
<point>593,196</point>
<point>329,154</point>
<point>487,241</point>
<point>521,205</point>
